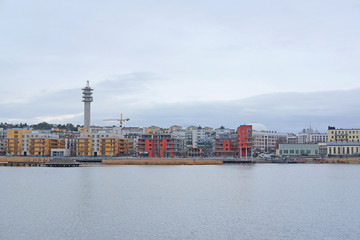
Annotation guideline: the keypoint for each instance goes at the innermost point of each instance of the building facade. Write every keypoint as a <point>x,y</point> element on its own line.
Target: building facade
<point>159,145</point>
<point>101,143</point>
<point>312,136</point>
<point>343,135</point>
<point>350,148</point>
<point>14,141</point>
<point>298,149</point>
<point>2,141</point>
<point>245,140</point>
<point>267,141</point>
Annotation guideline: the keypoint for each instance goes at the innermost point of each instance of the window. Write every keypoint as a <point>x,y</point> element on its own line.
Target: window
<point>292,151</point>
<point>286,151</point>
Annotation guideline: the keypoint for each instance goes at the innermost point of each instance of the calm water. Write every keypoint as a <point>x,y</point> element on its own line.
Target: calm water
<point>261,201</point>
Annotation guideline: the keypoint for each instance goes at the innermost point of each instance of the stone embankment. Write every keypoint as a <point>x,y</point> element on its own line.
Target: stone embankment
<point>161,161</point>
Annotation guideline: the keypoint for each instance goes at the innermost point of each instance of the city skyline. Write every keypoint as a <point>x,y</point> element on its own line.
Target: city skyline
<point>211,63</point>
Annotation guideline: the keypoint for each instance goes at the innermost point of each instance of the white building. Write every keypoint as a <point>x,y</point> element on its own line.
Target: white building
<point>311,136</point>
<point>266,141</point>
<point>2,141</point>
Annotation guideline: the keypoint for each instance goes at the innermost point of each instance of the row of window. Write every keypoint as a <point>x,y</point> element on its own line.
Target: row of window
<point>344,132</point>
<point>343,150</point>
<point>301,151</point>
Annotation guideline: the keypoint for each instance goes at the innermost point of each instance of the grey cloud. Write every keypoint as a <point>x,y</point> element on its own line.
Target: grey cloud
<point>127,83</point>
<point>288,112</point>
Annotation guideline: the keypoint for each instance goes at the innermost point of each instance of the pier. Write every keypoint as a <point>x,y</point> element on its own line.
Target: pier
<point>61,162</point>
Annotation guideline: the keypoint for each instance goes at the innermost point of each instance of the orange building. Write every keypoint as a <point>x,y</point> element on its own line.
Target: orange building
<point>14,140</point>
<point>83,146</point>
<point>227,147</point>
<point>113,146</point>
<point>244,133</point>
<point>43,146</point>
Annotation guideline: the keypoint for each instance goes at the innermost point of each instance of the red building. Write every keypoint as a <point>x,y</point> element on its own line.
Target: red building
<point>226,147</point>
<point>158,145</point>
<point>244,133</point>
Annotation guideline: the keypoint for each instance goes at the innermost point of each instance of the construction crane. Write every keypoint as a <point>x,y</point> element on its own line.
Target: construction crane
<point>121,120</point>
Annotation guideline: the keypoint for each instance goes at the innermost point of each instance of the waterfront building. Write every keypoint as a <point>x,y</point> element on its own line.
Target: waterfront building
<point>349,148</point>
<point>322,149</point>
<point>159,145</point>
<point>42,146</point>
<point>113,146</point>
<point>300,149</point>
<point>204,139</point>
<point>83,146</point>
<point>101,143</point>
<point>60,152</point>
<point>227,147</point>
<point>343,134</point>
<point>2,141</point>
<point>267,141</point>
<point>245,141</point>
<point>40,143</point>
<point>14,141</point>
<point>194,153</point>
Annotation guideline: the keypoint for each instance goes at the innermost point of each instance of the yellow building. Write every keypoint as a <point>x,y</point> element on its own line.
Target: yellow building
<point>101,146</point>
<point>83,146</point>
<point>343,135</point>
<point>152,129</point>
<point>43,146</point>
<point>113,146</point>
<point>14,140</point>
<point>83,130</point>
<point>174,128</point>
<point>343,148</point>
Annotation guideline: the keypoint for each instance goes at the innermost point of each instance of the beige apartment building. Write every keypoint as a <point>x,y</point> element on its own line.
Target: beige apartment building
<point>343,135</point>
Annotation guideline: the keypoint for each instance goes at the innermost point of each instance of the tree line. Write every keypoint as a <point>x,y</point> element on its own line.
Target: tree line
<point>40,126</point>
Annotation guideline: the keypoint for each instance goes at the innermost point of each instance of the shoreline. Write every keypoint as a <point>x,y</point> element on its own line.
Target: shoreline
<point>39,161</point>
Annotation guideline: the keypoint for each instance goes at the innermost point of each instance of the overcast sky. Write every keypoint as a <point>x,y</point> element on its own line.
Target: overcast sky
<point>285,64</point>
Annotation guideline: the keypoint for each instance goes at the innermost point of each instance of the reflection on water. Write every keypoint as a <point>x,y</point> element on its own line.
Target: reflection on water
<point>181,202</point>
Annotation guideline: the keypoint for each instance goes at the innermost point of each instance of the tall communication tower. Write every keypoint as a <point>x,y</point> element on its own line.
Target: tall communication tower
<point>87,99</point>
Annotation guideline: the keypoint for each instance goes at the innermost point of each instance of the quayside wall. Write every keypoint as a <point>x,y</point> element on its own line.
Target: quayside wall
<point>161,161</point>
<point>333,160</point>
<point>24,159</point>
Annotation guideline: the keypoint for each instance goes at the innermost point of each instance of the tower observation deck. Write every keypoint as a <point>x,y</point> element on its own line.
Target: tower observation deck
<point>87,99</point>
